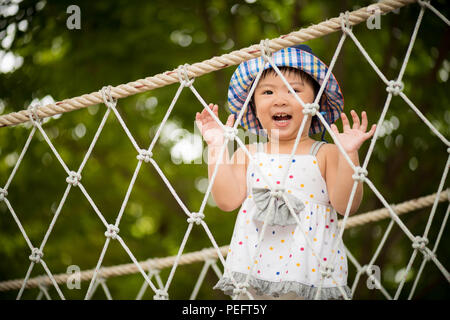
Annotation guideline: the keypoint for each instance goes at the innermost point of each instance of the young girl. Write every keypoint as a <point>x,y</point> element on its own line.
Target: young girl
<point>290,260</point>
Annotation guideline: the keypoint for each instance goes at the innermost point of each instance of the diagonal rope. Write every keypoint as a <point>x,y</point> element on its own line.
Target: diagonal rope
<point>186,79</point>
<point>434,10</point>
<point>190,257</point>
<point>204,67</point>
<point>210,253</point>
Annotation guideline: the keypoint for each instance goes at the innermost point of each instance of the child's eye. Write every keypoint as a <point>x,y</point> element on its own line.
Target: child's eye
<point>295,90</point>
<point>268,92</point>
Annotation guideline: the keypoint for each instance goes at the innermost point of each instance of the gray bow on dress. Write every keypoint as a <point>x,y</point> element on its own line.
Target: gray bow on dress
<point>272,203</point>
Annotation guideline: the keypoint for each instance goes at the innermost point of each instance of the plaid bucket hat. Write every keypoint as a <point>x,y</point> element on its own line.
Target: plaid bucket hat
<point>300,57</point>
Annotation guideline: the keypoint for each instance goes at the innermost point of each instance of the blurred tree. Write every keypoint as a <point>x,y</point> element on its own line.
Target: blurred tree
<point>121,41</point>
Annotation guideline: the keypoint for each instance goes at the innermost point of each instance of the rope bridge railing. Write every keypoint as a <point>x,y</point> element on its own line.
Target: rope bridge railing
<point>209,255</point>
<point>185,76</point>
<point>198,69</point>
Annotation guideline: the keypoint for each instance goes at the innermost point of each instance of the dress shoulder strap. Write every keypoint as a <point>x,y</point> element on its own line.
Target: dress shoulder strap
<point>315,147</point>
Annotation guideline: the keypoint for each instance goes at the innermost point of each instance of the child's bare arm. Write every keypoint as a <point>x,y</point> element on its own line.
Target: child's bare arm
<point>230,187</point>
<point>338,170</point>
<point>340,182</point>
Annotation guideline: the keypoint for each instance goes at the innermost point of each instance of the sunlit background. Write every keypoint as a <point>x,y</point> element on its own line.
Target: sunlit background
<point>42,62</point>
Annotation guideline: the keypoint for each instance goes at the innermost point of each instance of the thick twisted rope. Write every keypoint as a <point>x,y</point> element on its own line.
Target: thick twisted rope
<point>198,69</point>
<point>211,253</point>
<point>119,270</point>
<point>401,208</point>
<point>419,242</point>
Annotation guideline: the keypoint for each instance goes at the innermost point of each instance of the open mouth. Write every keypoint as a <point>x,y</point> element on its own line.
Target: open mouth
<point>281,119</point>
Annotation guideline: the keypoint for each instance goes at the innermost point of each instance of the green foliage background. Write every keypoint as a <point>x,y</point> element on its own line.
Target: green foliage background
<point>121,41</point>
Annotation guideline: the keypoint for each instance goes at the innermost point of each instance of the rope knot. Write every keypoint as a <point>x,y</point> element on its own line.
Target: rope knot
<point>183,73</point>
<point>428,255</point>
<point>420,243</point>
<point>265,49</point>
<point>73,178</point>
<point>422,2</point>
<point>394,87</point>
<point>108,99</point>
<point>3,194</point>
<point>345,23</point>
<point>277,193</point>
<point>240,287</point>
<point>32,114</point>
<point>360,174</point>
<point>36,255</point>
<point>112,231</point>
<point>161,295</point>
<point>195,217</point>
<point>144,155</point>
<point>311,108</point>
<point>230,133</point>
<point>326,271</point>
<point>364,268</point>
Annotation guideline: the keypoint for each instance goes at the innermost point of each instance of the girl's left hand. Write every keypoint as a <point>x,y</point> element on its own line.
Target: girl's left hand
<point>351,139</point>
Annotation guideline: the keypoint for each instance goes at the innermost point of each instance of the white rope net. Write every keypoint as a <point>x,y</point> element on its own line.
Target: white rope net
<point>150,269</point>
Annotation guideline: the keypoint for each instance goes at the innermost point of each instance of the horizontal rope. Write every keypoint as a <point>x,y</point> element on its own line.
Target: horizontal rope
<point>401,208</point>
<point>119,270</point>
<point>211,253</point>
<point>198,69</point>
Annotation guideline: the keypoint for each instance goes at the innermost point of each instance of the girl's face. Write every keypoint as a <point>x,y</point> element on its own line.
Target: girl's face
<point>276,107</point>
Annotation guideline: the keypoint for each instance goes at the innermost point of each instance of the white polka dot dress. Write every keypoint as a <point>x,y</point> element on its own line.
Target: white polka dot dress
<point>290,258</point>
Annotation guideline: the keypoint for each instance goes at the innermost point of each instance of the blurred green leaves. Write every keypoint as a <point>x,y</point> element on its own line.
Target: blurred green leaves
<point>121,41</point>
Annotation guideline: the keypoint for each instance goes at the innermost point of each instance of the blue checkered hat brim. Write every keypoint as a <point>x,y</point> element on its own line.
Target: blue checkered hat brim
<point>331,103</point>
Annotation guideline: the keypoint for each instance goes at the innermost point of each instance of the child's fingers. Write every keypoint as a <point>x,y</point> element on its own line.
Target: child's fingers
<point>230,120</point>
<point>345,122</point>
<point>371,132</point>
<point>364,121</point>
<point>355,118</point>
<point>334,128</point>
<point>199,117</point>
<point>199,124</point>
<point>205,113</point>
<point>213,107</point>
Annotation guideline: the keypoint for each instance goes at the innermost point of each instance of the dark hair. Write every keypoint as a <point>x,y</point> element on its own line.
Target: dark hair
<point>303,75</point>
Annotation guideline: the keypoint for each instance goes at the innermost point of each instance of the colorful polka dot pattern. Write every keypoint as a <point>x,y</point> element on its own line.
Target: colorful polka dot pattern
<point>284,254</point>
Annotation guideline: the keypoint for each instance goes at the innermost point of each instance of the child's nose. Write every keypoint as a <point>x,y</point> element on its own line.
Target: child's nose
<point>281,99</point>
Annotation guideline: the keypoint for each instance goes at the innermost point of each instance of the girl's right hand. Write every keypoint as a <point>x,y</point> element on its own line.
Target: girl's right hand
<point>209,128</point>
